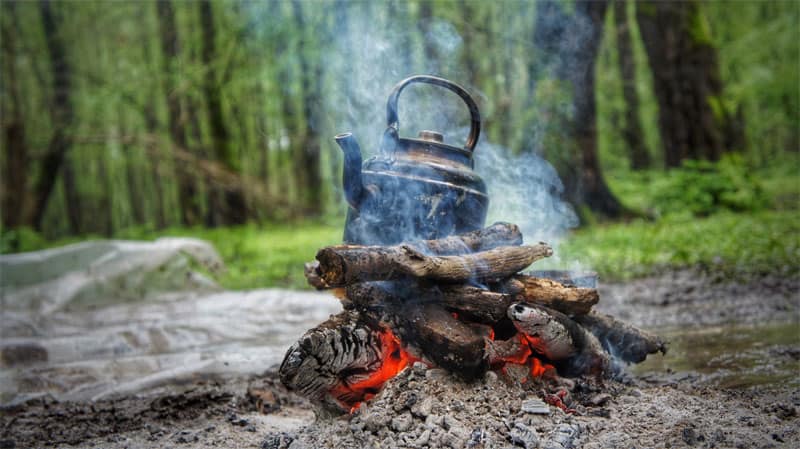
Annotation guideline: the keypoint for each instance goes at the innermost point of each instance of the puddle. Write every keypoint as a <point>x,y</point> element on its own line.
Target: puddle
<point>729,356</point>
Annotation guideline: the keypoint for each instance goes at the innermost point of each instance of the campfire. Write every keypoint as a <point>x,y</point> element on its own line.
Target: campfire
<point>422,281</point>
<point>458,303</point>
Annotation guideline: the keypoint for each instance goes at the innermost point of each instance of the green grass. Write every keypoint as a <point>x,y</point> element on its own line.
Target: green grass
<point>728,243</point>
<point>255,256</point>
<point>733,244</point>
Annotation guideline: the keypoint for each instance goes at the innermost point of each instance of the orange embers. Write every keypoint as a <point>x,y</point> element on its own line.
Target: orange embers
<point>394,359</point>
<point>524,356</point>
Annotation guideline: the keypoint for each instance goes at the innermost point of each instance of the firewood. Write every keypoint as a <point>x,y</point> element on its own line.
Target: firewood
<point>553,294</point>
<point>559,338</point>
<point>347,264</point>
<point>311,270</point>
<point>476,303</point>
<point>621,339</point>
<point>448,342</point>
<point>323,359</point>
<point>498,234</point>
<point>490,305</point>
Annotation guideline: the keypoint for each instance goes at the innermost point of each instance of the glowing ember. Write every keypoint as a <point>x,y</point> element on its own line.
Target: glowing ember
<point>525,356</point>
<point>394,359</point>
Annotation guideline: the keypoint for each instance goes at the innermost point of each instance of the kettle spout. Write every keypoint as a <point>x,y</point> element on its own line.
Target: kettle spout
<point>351,175</point>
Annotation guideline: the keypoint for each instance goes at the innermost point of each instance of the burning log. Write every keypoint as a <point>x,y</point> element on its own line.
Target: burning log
<point>565,299</point>
<point>621,339</point>
<point>348,264</point>
<point>560,339</point>
<point>447,341</point>
<point>343,361</point>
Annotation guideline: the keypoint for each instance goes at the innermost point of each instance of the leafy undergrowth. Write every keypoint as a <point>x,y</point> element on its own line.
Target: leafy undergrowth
<point>730,244</point>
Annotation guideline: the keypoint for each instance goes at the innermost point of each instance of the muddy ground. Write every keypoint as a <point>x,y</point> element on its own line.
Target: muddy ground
<point>426,408</point>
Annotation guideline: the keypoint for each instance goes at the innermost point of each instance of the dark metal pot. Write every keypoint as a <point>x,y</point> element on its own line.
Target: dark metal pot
<point>414,188</point>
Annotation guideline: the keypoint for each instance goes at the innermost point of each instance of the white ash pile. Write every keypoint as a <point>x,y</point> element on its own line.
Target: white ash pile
<point>427,407</point>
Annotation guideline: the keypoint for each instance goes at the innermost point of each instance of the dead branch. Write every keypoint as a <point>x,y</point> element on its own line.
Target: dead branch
<point>347,264</point>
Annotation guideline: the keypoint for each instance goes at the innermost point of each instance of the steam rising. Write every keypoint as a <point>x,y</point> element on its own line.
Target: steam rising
<point>373,53</point>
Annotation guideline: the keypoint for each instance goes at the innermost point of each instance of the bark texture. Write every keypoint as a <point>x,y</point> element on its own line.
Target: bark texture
<point>631,129</point>
<point>347,264</point>
<point>692,119</point>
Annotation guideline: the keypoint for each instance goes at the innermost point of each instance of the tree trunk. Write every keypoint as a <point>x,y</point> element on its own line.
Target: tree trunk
<point>567,48</point>
<point>62,112</point>
<point>170,49</point>
<point>632,130</point>
<point>692,117</point>
<point>591,189</point>
<point>228,207</point>
<point>15,174</point>
<point>307,154</point>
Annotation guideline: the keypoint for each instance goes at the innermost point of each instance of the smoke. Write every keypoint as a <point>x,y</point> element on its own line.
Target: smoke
<point>372,52</point>
<point>525,190</point>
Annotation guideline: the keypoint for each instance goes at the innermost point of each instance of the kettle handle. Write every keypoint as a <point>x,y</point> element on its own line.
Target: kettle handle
<point>475,115</point>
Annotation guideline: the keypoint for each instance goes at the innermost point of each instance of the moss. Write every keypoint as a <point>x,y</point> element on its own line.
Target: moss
<point>699,27</point>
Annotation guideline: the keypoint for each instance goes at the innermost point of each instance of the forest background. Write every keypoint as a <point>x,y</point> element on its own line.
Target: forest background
<point>674,127</point>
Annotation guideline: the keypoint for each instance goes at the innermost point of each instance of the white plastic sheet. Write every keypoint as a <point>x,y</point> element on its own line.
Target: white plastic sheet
<point>96,319</point>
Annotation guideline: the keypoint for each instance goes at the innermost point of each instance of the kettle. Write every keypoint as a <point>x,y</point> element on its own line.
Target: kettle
<point>414,188</point>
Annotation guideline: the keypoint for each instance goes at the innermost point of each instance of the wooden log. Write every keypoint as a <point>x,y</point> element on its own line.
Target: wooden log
<point>566,299</point>
<point>621,339</point>
<point>446,341</point>
<point>573,349</point>
<point>313,276</point>
<point>327,356</point>
<point>496,235</point>
<point>347,264</point>
<point>474,303</point>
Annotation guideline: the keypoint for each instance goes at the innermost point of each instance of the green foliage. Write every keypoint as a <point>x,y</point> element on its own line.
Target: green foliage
<point>726,243</point>
<point>698,188</point>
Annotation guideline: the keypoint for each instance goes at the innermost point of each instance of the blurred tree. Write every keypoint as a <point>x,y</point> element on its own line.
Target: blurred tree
<point>694,122</point>
<point>568,46</point>
<point>170,54</point>
<point>62,111</point>
<point>632,129</point>
<point>307,153</point>
<point>226,206</point>
<point>15,143</point>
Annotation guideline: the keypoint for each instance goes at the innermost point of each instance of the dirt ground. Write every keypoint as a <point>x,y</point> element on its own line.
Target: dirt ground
<point>427,408</point>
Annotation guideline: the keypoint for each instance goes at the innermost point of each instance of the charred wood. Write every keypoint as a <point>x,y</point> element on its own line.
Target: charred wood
<point>498,234</point>
<point>621,339</point>
<point>339,351</point>
<point>445,340</point>
<point>347,264</point>
<point>560,339</point>
<point>566,299</point>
